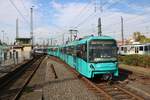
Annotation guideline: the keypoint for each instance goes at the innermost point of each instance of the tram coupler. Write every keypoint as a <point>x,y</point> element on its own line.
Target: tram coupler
<point>107,77</point>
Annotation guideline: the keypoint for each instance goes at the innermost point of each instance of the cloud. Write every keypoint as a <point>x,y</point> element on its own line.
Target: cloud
<point>56,5</point>
<point>8,16</point>
<point>110,19</point>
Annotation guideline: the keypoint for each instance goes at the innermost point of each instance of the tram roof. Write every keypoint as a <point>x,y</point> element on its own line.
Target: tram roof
<point>142,44</point>
<point>84,40</point>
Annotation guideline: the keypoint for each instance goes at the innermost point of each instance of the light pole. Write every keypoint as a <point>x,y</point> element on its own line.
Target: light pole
<point>51,39</point>
<point>31,26</point>
<point>3,35</point>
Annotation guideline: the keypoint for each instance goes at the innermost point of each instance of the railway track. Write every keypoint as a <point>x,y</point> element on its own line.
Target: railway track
<point>105,90</point>
<point>109,91</point>
<point>13,84</point>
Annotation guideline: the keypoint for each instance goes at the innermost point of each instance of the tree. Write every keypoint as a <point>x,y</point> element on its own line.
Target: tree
<point>138,37</point>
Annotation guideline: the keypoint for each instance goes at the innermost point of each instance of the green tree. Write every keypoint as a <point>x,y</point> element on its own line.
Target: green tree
<point>140,38</point>
<point>136,36</point>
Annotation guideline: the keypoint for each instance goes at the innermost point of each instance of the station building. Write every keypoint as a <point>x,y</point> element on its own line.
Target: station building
<point>22,49</point>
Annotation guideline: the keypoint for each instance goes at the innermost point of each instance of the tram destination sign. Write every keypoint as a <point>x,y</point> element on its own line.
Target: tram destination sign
<point>102,42</point>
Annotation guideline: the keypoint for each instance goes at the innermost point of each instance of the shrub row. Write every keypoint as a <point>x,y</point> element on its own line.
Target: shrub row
<point>135,60</point>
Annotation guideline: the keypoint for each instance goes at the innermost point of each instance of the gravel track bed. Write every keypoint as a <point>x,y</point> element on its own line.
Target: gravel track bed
<point>66,86</point>
<point>6,69</point>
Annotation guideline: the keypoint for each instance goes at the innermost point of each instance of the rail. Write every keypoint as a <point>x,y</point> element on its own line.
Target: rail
<point>105,90</point>
<point>14,83</point>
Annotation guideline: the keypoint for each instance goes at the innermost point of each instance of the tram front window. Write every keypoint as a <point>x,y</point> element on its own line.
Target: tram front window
<point>102,51</point>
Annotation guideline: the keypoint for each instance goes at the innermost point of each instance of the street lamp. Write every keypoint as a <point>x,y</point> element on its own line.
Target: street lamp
<point>3,35</point>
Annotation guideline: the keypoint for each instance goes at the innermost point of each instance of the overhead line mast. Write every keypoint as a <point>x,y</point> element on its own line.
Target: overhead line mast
<point>17,28</point>
<point>122,33</point>
<point>99,27</point>
<point>31,27</point>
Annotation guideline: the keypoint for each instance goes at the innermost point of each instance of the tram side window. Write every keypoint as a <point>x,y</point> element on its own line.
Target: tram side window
<point>68,51</point>
<point>56,49</point>
<point>64,50</point>
<point>141,48</point>
<point>82,52</point>
<point>78,51</point>
<point>61,50</point>
<point>74,51</point>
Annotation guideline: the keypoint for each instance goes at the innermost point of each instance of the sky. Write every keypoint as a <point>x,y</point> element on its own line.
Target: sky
<point>53,18</point>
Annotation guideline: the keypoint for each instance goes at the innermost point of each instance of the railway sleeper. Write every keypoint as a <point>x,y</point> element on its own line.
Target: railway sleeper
<point>110,89</point>
<point>125,98</point>
<point>114,92</point>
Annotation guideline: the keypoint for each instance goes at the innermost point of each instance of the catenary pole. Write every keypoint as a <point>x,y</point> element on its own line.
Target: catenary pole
<point>122,30</point>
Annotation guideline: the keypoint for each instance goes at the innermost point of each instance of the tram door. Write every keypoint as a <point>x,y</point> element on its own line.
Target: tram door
<point>74,61</point>
<point>136,50</point>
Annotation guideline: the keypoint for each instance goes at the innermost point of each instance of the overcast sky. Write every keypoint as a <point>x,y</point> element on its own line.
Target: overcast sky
<point>52,18</point>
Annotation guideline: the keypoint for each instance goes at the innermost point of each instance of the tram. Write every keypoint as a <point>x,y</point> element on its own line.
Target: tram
<point>93,56</point>
<point>141,49</point>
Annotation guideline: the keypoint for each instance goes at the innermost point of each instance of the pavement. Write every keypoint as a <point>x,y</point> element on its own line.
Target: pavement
<point>45,86</point>
<point>34,90</point>
<point>66,86</point>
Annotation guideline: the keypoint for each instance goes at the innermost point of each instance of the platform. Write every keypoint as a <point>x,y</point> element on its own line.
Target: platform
<point>65,87</point>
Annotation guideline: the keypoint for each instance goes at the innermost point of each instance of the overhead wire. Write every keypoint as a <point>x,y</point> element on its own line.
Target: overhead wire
<point>81,11</point>
<point>81,23</point>
<point>18,11</point>
<point>132,19</point>
<point>58,27</point>
<point>92,14</point>
<point>129,20</point>
<point>22,1</point>
<point>115,3</point>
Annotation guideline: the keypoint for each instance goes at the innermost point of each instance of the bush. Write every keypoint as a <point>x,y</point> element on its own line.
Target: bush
<point>135,60</point>
<point>146,61</point>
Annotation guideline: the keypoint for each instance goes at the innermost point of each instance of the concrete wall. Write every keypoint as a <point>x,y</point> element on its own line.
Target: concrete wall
<point>14,55</point>
<point>27,52</point>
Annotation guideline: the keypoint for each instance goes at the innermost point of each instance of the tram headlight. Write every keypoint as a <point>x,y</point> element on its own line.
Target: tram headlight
<point>92,67</point>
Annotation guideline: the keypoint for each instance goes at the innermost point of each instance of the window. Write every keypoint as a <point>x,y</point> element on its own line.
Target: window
<point>125,49</point>
<point>121,48</point>
<point>81,51</point>
<point>146,48</point>
<point>141,48</point>
<point>102,51</point>
<point>63,50</point>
